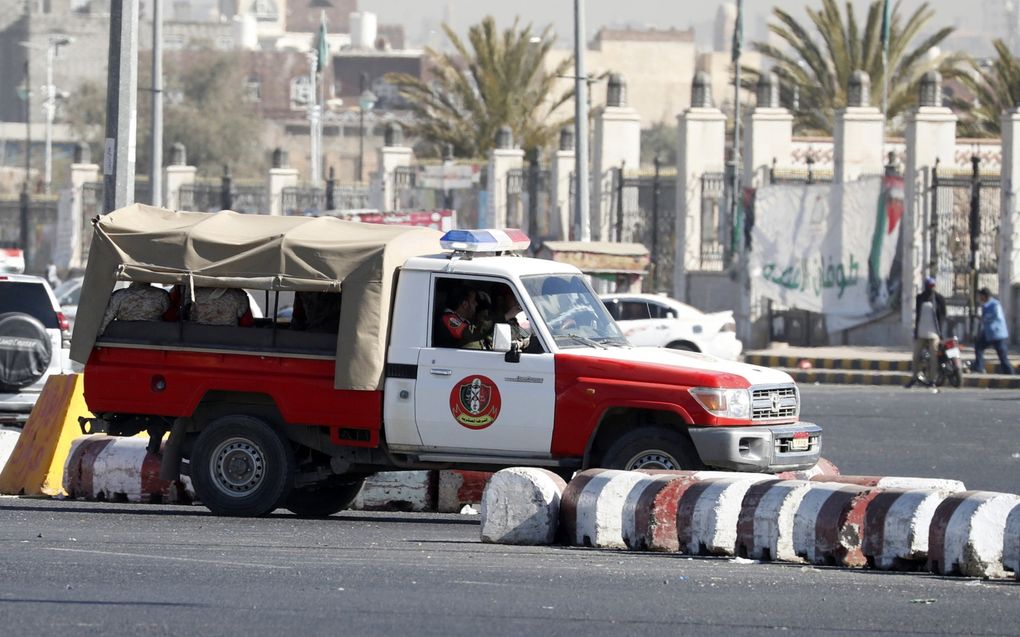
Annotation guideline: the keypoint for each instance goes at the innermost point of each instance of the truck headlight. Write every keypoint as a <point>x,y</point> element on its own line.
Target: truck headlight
<point>725,403</point>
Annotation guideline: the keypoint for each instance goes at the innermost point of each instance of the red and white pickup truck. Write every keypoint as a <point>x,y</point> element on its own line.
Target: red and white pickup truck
<point>296,415</point>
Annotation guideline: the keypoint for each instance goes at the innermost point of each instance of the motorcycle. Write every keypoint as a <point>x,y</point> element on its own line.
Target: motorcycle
<point>949,368</point>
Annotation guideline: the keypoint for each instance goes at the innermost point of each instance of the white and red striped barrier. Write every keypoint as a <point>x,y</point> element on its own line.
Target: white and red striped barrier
<point>1011,543</point>
<point>968,533</point>
<point>119,469</point>
<point>522,506</point>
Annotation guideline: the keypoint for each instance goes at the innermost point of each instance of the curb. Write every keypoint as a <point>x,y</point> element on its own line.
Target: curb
<point>838,364</point>
<point>968,533</point>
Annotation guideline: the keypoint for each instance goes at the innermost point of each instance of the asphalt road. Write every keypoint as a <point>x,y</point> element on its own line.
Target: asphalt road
<point>971,435</point>
<point>86,568</point>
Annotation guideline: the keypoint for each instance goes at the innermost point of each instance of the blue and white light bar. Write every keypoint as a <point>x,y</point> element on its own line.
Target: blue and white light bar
<point>489,240</point>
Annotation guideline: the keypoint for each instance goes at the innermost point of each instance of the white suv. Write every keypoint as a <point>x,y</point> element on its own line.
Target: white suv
<point>34,342</point>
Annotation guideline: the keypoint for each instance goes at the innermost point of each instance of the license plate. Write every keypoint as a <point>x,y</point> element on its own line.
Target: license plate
<point>800,444</point>
<point>953,352</point>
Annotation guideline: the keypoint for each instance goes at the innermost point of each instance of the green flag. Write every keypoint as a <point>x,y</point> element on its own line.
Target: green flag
<point>886,25</point>
<point>321,45</point>
<point>738,31</point>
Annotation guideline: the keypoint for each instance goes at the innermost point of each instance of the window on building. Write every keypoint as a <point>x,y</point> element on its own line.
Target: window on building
<point>253,89</point>
<point>265,10</point>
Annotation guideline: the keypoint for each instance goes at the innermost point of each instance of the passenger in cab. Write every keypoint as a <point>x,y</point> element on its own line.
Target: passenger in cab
<point>456,327</point>
<point>137,302</point>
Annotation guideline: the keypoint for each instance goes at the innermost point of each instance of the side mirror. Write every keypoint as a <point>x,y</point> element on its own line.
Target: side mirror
<point>502,338</point>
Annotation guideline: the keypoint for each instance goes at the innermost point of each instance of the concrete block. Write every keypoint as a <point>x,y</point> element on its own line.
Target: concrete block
<point>967,534</point>
<point>521,505</point>
<point>8,440</point>
<point>708,511</point>
<point>820,519</point>
<point>897,528</point>
<point>822,468</point>
<point>649,514</point>
<point>765,525</point>
<point>896,482</point>
<point>1011,543</point>
<point>119,469</point>
<point>599,508</point>
<point>398,491</point>
<point>457,488</point>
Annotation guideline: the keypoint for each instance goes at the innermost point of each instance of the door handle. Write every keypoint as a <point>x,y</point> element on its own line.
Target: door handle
<point>441,372</point>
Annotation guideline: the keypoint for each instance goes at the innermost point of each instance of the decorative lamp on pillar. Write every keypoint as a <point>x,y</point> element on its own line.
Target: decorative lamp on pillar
<point>931,89</point>
<point>505,138</point>
<point>178,155</point>
<point>616,91</point>
<point>701,91</point>
<point>393,135</point>
<point>859,93</point>
<point>567,138</point>
<point>82,153</point>
<point>279,158</point>
<point>768,91</point>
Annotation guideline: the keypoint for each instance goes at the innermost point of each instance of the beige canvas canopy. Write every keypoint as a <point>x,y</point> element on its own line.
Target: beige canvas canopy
<point>230,249</point>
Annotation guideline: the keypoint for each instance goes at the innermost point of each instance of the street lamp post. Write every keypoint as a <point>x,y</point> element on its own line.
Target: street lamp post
<point>50,101</point>
<point>314,120</point>
<point>365,102</point>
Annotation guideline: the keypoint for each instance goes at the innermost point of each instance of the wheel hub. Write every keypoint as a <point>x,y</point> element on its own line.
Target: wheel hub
<point>653,459</point>
<point>238,467</point>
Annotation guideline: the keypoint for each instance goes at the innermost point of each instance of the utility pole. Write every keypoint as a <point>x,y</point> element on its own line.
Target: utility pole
<point>581,210</point>
<point>121,103</point>
<point>313,119</point>
<point>156,142</point>
<point>23,200</point>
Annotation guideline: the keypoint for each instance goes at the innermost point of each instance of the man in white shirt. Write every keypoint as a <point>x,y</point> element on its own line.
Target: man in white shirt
<point>929,316</point>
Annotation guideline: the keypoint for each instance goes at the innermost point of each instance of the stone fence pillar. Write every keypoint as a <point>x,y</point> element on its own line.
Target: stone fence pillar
<point>176,174</point>
<point>560,178</point>
<point>280,176</point>
<point>857,138</point>
<point>617,142</point>
<point>768,133</point>
<point>392,155</point>
<point>503,158</point>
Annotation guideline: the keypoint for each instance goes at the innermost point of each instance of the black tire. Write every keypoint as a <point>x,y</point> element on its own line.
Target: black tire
<point>25,350</point>
<point>684,347</point>
<point>954,375</point>
<point>652,448</point>
<point>241,467</point>
<point>324,499</point>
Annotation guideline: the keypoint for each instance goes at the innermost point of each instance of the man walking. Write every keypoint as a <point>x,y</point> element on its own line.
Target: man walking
<point>993,333</point>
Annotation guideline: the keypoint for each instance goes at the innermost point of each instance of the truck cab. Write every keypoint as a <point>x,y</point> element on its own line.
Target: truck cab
<point>270,415</point>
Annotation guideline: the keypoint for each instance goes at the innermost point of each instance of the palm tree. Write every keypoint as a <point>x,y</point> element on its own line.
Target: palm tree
<point>500,82</point>
<point>818,67</point>
<point>996,88</point>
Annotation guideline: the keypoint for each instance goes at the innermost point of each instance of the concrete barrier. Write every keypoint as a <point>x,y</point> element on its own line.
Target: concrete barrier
<point>649,513</point>
<point>592,507</point>
<point>822,468</point>
<point>897,528</point>
<point>967,534</point>
<point>102,467</point>
<point>821,518</point>
<point>765,524</point>
<point>521,505</point>
<point>708,511</point>
<point>1011,543</point>
<point>895,482</point>
<point>35,466</point>
<point>458,488</point>
<point>398,491</point>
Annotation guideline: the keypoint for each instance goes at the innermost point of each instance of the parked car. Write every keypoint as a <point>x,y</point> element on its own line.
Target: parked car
<point>653,320</point>
<point>12,259</point>
<point>68,294</point>
<point>34,342</point>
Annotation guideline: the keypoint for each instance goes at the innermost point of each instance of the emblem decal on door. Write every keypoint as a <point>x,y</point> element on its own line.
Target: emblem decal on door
<point>475,402</point>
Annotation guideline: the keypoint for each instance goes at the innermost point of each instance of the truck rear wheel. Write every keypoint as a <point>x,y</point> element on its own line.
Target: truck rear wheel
<point>241,466</point>
<point>324,499</point>
<point>652,448</point>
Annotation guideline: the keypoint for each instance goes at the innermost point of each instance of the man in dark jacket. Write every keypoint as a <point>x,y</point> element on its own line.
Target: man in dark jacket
<point>929,321</point>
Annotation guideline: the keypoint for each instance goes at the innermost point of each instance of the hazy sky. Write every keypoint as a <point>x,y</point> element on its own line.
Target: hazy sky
<point>418,16</point>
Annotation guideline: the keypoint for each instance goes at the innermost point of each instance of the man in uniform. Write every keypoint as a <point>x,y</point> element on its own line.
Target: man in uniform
<point>137,302</point>
<point>457,327</point>
<point>221,306</point>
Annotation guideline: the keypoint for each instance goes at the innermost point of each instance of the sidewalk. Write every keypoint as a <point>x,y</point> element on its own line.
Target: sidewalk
<point>860,365</point>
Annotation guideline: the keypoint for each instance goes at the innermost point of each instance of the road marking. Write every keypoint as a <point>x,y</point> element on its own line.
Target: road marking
<point>166,557</point>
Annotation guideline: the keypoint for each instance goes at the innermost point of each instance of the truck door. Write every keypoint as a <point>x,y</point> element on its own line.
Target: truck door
<point>473,400</point>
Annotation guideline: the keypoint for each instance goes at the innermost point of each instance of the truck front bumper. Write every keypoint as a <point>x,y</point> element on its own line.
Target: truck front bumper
<point>766,449</point>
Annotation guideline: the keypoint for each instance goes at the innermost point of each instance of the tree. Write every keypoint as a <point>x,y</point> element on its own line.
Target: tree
<point>501,81</point>
<point>818,67</point>
<point>996,88</point>
<point>204,109</point>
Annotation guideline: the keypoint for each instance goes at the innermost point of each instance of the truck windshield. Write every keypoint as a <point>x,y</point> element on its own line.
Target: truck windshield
<point>572,311</point>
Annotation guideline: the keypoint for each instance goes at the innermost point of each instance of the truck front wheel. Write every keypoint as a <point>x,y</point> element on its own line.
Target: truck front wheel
<point>652,448</point>
<point>241,466</point>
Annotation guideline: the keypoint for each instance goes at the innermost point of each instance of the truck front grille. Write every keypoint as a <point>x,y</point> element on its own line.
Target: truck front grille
<point>774,402</point>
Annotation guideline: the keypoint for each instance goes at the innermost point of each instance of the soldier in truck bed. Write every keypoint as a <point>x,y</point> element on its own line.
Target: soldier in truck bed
<point>137,302</point>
